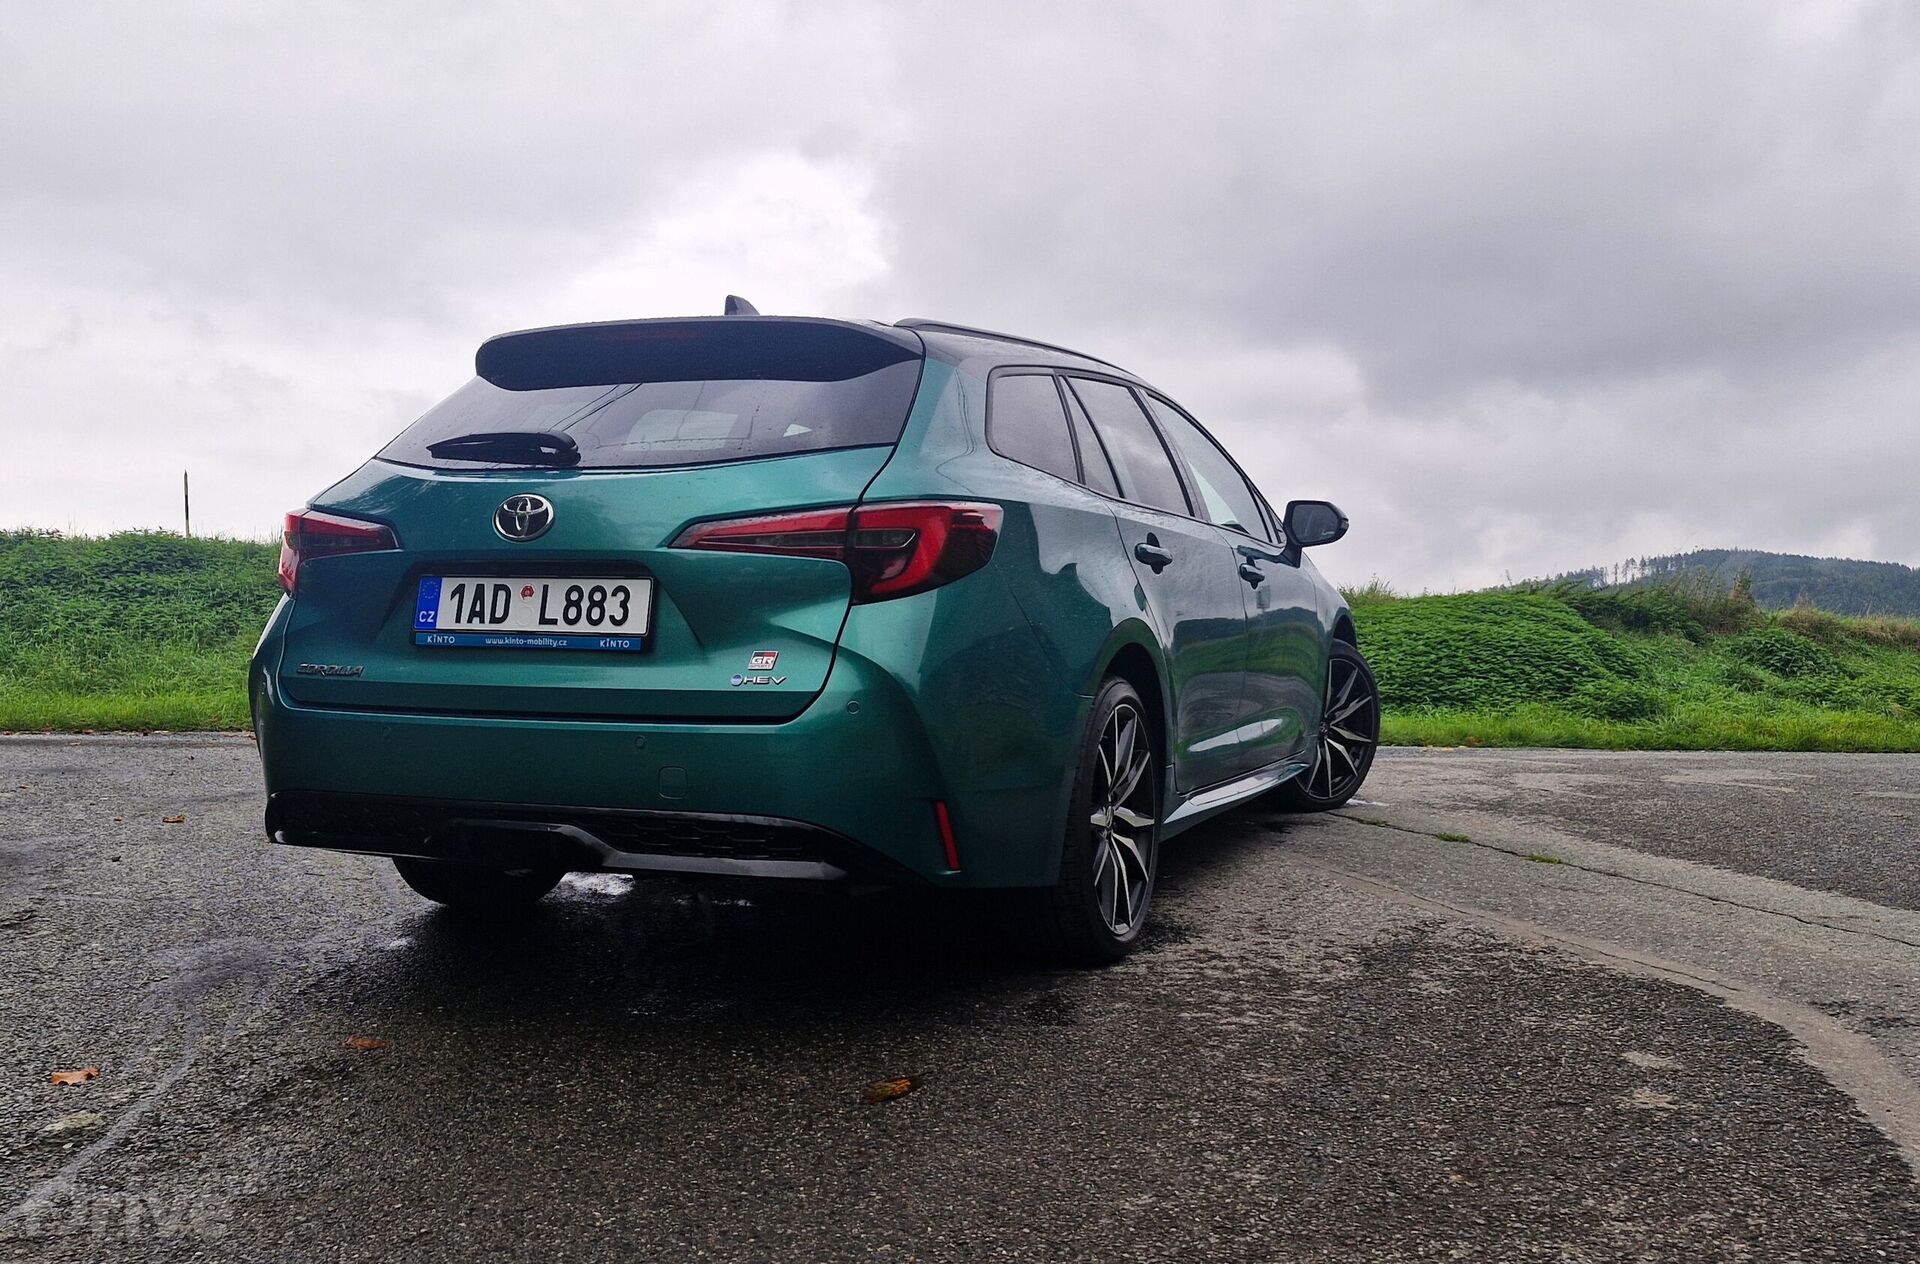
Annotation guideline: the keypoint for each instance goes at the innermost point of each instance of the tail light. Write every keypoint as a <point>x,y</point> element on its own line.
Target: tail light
<point>893,549</point>
<point>310,534</point>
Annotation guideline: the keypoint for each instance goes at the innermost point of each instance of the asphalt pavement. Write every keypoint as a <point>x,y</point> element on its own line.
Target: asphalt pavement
<point>1515,1005</point>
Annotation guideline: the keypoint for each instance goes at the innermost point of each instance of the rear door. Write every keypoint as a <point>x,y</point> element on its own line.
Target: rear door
<point>629,434</point>
<point>1286,647</point>
<point>1187,570</point>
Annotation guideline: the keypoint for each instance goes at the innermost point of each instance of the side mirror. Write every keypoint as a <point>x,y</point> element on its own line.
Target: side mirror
<point>1308,523</point>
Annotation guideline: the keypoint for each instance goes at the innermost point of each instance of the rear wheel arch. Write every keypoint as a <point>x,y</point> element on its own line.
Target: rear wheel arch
<point>1343,629</point>
<point>1110,844</point>
<point>1135,664</point>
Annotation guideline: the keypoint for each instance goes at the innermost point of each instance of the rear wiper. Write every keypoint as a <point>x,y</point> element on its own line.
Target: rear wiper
<point>535,447</point>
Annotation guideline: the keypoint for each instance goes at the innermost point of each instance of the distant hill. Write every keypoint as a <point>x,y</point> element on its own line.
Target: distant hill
<point>1780,580</point>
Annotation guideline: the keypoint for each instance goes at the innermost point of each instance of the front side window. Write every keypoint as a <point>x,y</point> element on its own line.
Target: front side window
<point>1025,423</point>
<point>1226,498</point>
<point>1140,460</point>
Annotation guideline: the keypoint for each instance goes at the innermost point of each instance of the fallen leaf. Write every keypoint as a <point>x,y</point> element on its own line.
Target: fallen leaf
<point>76,1077</point>
<point>886,1090</point>
<point>366,1043</point>
<point>173,820</point>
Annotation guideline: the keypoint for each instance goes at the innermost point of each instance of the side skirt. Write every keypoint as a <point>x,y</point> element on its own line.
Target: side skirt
<point>1214,800</point>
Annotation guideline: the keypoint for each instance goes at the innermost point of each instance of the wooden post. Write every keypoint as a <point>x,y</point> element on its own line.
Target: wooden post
<point>186,502</point>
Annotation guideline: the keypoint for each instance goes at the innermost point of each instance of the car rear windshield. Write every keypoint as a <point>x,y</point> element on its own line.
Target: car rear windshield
<point>704,396</point>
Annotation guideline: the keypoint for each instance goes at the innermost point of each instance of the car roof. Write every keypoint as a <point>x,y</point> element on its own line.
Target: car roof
<point>980,350</point>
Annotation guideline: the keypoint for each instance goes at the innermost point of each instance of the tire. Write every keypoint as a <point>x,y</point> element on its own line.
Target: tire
<point>476,890</point>
<point>1094,914</point>
<point>1349,735</point>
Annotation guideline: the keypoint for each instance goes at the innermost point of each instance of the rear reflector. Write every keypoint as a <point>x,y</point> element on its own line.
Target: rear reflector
<point>945,822</point>
<point>310,534</point>
<point>893,549</point>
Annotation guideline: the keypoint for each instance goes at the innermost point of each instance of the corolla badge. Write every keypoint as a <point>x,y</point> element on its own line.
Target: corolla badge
<point>521,518</point>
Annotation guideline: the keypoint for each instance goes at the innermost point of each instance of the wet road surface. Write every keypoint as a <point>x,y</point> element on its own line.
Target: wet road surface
<point>1519,1005</point>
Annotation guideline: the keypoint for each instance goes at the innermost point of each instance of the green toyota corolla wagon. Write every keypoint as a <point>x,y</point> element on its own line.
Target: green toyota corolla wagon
<point>802,599</point>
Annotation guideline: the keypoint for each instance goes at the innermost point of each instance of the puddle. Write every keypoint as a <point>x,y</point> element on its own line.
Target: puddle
<point>604,886</point>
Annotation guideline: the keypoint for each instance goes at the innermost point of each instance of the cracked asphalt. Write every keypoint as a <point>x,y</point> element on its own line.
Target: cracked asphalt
<point>1520,1005</point>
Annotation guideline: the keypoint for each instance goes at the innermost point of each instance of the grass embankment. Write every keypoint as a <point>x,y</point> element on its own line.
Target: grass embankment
<point>1658,668</point>
<point>135,631</point>
<point>150,631</point>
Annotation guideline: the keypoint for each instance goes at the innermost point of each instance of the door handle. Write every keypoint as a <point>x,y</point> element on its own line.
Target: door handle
<point>1252,574</point>
<point>1155,557</point>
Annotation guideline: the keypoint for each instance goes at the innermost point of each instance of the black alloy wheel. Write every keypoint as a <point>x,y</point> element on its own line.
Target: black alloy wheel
<point>1349,736</point>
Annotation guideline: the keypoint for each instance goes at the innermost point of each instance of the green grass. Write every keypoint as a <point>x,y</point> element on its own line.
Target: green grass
<point>1675,667</point>
<point>145,630</point>
<point>141,630</point>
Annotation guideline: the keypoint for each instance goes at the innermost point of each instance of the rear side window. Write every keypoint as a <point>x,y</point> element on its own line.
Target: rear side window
<point>1226,498</point>
<point>1025,423</point>
<point>1140,460</point>
<point>657,393</point>
<point>1096,470</point>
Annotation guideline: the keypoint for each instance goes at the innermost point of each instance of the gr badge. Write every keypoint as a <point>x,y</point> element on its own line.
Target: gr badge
<point>763,660</point>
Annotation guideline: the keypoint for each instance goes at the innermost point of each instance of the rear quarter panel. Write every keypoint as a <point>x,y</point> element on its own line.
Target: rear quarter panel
<point>1007,659</point>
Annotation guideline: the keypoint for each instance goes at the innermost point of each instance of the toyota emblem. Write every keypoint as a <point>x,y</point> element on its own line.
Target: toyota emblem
<point>521,518</point>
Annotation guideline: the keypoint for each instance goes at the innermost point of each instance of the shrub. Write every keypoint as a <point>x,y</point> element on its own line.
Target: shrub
<point>1735,674</point>
<point>1689,605</point>
<point>1833,692</point>
<point>1622,700</point>
<point>1486,650</point>
<point>1836,629</point>
<point>1782,652</point>
<point>1372,592</point>
<point>92,615</point>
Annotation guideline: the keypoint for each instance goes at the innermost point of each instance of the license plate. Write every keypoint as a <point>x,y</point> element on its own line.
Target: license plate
<point>546,612</point>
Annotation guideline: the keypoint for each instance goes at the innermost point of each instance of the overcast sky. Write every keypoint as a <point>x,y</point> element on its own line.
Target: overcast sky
<point>1523,287</point>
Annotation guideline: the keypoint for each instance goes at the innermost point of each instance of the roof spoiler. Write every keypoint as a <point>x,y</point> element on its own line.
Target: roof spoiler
<point>691,349</point>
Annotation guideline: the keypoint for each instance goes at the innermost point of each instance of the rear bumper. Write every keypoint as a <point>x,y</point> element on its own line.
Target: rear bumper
<point>508,835</point>
<point>850,782</point>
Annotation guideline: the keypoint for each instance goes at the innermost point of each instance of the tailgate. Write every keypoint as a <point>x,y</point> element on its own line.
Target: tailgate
<point>731,637</point>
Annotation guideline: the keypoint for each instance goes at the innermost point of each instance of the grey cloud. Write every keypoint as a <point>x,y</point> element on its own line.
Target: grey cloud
<point>1453,192</point>
<point>1524,286</point>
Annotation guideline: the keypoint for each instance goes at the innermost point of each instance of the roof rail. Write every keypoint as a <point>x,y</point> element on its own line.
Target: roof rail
<point>918,322</point>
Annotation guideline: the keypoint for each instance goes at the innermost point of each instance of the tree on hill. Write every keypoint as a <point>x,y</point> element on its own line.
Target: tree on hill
<point>1779,580</point>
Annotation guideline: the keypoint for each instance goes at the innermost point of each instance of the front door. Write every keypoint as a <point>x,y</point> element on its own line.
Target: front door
<point>1286,644</point>
<point>1286,654</point>
<point>1189,574</point>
